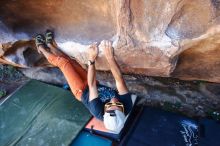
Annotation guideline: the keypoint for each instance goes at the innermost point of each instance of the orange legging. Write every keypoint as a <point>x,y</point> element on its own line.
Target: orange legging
<point>75,75</point>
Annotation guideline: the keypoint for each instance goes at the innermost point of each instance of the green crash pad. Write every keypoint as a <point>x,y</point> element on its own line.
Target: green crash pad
<point>39,114</point>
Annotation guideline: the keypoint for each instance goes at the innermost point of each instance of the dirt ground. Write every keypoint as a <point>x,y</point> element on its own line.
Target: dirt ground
<point>10,80</point>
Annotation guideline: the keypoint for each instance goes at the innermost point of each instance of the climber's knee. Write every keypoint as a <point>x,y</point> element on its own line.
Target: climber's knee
<point>58,61</point>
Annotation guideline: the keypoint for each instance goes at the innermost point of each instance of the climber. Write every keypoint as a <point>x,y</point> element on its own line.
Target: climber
<point>103,102</point>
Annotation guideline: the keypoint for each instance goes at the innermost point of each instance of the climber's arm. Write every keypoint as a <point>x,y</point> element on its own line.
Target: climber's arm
<point>115,69</point>
<point>91,76</point>
<point>93,93</point>
<point>120,83</point>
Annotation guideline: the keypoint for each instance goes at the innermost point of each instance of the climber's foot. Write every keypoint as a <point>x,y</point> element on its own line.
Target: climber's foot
<point>50,41</point>
<point>49,35</point>
<point>40,42</point>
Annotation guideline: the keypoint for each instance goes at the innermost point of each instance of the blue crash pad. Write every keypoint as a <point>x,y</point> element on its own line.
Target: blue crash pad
<point>87,139</point>
<point>209,133</point>
<point>160,128</point>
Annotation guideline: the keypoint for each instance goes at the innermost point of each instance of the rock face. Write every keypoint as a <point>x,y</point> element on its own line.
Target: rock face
<point>191,98</point>
<point>172,38</point>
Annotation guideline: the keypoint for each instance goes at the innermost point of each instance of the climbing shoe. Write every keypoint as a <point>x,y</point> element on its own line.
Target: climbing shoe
<point>49,36</point>
<point>39,40</point>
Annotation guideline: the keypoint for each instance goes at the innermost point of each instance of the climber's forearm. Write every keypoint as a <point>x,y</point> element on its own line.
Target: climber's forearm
<point>115,69</point>
<point>91,76</point>
<point>93,92</point>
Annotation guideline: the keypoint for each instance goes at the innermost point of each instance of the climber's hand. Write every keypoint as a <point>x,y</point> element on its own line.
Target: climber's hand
<point>93,52</point>
<point>106,46</point>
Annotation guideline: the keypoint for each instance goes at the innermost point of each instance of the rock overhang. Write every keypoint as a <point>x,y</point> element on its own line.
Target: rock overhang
<point>151,38</point>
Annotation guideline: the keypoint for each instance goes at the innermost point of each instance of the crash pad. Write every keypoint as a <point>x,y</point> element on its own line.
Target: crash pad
<point>209,132</point>
<point>39,114</point>
<point>87,139</point>
<point>96,126</point>
<point>156,127</point>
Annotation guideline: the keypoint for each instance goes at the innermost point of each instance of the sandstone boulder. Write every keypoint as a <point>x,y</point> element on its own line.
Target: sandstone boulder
<point>172,38</point>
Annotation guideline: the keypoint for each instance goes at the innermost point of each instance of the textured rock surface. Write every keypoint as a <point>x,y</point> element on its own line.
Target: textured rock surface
<point>172,38</point>
<point>191,98</point>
